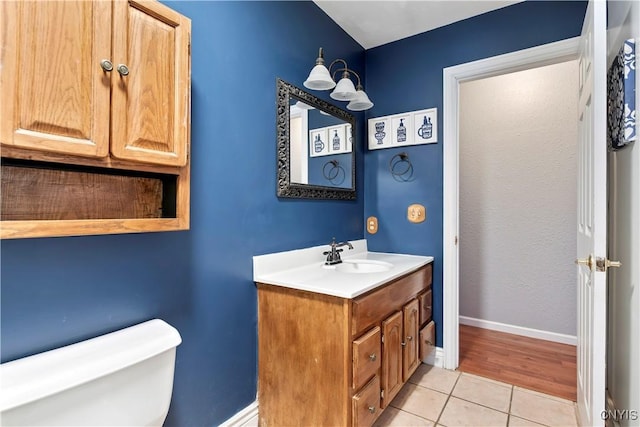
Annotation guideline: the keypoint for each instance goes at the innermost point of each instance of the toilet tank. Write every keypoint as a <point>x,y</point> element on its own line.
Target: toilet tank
<point>124,378</point>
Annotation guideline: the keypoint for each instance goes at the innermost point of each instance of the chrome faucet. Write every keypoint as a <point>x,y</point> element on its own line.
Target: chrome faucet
<point>333,256</point>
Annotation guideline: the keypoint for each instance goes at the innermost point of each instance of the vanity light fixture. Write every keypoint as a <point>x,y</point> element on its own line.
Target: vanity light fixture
<point>321,78</point>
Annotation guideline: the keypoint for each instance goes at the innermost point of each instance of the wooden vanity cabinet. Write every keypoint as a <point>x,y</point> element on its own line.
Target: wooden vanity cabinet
<point>65,110</point>
<point>325,360</point>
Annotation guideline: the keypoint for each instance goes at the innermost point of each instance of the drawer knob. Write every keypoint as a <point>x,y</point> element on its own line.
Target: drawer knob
<point>372,409</point>
<point>106,65</point>
<point>123,70</point>
<point>372,357</point>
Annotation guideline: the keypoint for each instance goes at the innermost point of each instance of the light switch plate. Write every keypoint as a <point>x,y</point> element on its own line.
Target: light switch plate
<point>416,213</point>
<point>372,225</point>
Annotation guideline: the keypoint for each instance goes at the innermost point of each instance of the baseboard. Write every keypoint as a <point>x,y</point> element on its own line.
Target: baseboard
<point>435,358</point>
<point>519,330</point>
<point>242,417</point>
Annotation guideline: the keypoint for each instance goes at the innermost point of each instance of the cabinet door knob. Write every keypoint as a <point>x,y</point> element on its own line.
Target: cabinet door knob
<point>372,357</point>
<point>372,409</point>
<point>403,343</point>
<point>409,338</point>
<point>106,65</point>
<point>123,70</point>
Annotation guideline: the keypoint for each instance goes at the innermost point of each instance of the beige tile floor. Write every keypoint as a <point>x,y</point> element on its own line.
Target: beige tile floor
<point>438,397</point>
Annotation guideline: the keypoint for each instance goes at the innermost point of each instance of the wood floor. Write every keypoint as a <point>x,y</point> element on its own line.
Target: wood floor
<point>543,366</point>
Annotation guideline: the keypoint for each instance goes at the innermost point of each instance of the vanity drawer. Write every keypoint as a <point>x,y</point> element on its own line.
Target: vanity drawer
<point>427,340</point>
<point>426,306</point>
<point>366,403</point>
<point>366,357</point>
<point>378,304</point>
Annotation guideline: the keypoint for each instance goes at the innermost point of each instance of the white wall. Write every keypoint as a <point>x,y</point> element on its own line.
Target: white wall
<point>518,137</point>
<point>623,376</point>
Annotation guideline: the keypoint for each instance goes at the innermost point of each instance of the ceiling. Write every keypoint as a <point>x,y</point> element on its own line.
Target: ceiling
<point>374,22</point>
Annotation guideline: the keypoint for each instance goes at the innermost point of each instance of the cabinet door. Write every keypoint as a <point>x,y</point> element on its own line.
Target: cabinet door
<point>391,357</point>
<point>150,99</point>
<point>55,95</point>
<point>411,323</point>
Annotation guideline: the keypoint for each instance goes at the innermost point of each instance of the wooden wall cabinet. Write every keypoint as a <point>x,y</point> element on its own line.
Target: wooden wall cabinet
<point>97,84</point>
<point>325,360</point>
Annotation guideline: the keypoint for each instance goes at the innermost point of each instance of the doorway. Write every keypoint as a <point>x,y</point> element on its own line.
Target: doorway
<point>553,53</point>
<point>518,215</point>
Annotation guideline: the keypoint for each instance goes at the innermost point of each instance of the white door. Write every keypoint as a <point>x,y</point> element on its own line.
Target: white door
<point>592,216</point>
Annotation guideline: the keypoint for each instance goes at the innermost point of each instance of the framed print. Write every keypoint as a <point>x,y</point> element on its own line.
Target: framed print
<point>349,136</point>
<point>425,126</point>
<point>337,139</point>
<point>379,133</point>
<point>318,142</point>
<point>401,126</point>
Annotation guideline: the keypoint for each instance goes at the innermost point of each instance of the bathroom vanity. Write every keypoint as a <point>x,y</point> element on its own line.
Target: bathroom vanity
<point>336,345</point>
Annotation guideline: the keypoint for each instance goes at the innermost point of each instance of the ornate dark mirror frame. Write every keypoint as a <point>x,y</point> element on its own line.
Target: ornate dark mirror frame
<point>285,188</point>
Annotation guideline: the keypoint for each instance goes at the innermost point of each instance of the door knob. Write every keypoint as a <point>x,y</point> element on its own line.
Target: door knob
<point>587,262</point>
<point>602,264</point>
<point>616,264</point>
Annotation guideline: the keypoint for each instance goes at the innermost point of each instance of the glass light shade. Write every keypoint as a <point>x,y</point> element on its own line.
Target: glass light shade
<point>319,79</point>
<point>304,106</point>
<point>344,91</point>
<point>361,102</point>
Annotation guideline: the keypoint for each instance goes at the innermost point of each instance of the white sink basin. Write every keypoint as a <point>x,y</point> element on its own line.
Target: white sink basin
<point>363,266</point>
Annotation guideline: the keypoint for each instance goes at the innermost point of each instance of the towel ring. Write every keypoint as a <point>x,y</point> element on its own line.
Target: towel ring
<point>333,173</point>
<point>401,167</point>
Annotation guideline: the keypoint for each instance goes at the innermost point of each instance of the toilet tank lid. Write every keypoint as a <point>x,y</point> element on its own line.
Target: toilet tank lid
<point>35,377</point>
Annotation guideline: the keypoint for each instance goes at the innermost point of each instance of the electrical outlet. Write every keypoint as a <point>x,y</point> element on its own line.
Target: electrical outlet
<point>372,225</point>
<point>416,213</point>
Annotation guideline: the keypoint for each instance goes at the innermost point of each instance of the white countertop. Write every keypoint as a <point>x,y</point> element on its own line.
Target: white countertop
<point>304,269</point>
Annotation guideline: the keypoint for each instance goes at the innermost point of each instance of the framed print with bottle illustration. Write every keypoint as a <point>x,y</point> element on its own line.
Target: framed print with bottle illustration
<point>401,129</point>
<point>337,139</point>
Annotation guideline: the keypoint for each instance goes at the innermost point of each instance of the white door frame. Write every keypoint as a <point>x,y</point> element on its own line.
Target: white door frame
<point>539,56</point>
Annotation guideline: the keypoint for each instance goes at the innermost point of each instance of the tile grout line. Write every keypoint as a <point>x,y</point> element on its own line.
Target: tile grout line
<point>448,398</point>
<point>510,402</point>
<point>449,395</point>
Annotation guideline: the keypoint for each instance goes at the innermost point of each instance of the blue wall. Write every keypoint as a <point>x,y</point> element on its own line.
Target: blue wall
<point>59,291</point>
<point>407,75</point>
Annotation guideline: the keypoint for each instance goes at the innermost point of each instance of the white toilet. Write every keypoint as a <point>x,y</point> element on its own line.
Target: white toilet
<point>124,378</point>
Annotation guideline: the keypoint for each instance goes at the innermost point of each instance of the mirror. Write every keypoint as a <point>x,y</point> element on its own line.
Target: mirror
<point>316,153</point>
